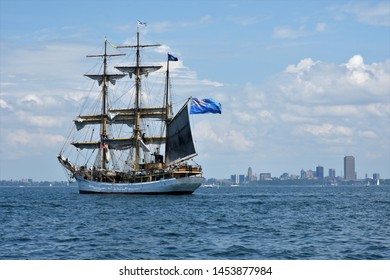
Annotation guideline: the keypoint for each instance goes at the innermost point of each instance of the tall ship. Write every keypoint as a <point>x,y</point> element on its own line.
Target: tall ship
<point>132,143</point>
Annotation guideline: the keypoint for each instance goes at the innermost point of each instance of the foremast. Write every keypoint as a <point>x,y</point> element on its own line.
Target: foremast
<point>100,119</point>
<point>103,80</point>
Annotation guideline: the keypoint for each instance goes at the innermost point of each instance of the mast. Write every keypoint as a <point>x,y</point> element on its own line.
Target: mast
<point>167,112</point>
<point>103,80</point>
<point>137,129</point>
<point>139,71</point>
<point>103,133</point>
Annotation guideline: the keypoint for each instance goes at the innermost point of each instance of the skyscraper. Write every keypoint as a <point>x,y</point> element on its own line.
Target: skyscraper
<point>320,172</point>
<point>349,168</point>
<point>332,173</point>
<point>234,178</point>
<point>250,177</point>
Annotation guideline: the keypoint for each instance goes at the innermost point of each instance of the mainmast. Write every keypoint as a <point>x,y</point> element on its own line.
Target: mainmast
<point>103,133</point>
<point>138,70</point>
<point>137,130</point>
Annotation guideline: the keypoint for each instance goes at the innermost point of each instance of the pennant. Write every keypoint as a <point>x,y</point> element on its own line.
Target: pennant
<point>205,106</point>
<point>112,45</point>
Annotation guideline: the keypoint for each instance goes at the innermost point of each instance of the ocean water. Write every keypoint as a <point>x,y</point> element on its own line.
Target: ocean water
<point>273,222</point>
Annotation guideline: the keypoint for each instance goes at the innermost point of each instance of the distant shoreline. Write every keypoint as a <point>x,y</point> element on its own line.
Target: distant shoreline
<point>30,183</point>
<point>215,182</point>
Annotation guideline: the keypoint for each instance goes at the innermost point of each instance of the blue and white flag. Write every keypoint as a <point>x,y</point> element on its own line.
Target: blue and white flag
<point>205,106</point>
<point>172,58</point>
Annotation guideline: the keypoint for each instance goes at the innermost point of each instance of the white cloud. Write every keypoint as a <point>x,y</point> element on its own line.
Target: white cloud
<point>39,120</point>
<point>355,63</point>
<point>321,27</point>
<point>163,49</point>
<point>324,83</point>
<point>303,65</point>
<point>76,96</point>
<point>170,26</point>
<point>337,110</point>
<point>369,13</point>
<point>286,32</point>
<point>207,132</point>
<point>243,21</point>
<point>246,117</point>
<point>328,130</point>
<point>26,140</point>
<point>211,83</point>
<point>368,134</point>
<point>4,105</point>
<point>358,72</point>
<point>238,141</point>
<point>381,110</point>
<point>30,100</point>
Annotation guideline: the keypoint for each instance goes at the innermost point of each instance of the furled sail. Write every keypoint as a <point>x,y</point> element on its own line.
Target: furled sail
<point>119,143</point>
<point>152,112</point>
<point>143,70</point>
<point>86,145</point>
<point>116,144</point>
<point>110,77</point>
<point>179,138</point>
<point>112,118</point>
<point>121,116</point>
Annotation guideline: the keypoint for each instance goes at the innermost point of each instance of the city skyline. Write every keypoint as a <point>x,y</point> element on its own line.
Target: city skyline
<point>301,83</point>
<point>318,172</point>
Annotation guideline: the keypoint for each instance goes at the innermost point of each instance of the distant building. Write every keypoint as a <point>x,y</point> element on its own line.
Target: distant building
<point>332,173</point>
<point>349,168</point>
<point>29,181</point>
<point>310,174</point>
<point>234,179</point>
<point>241,179</point>
<point>284,176</point>
<point>376,176</point>
<point>303,174</point>
<point>237,179</point>
<point>250,176</point>
<point>265,176</point>
<point>320,172</point>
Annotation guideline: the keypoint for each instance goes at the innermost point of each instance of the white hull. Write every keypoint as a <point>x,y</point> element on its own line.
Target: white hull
<point>185,185</point>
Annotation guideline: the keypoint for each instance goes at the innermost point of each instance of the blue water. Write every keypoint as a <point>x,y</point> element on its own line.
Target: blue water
<point>289,222</point>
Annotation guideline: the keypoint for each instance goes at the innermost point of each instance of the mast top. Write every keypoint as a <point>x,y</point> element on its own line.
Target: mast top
<point>138,45</point>
<point>105,51</point>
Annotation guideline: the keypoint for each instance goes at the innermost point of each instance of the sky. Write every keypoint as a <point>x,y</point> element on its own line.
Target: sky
<point>301,83</point>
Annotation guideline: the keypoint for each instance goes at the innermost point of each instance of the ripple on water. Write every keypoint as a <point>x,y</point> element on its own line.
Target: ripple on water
<point>226,223</point>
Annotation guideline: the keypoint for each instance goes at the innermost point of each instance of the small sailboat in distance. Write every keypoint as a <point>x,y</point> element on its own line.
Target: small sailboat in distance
<point>127,156</point>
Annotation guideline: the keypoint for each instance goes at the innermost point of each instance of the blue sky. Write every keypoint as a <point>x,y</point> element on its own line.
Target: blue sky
<point>302,83</point>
